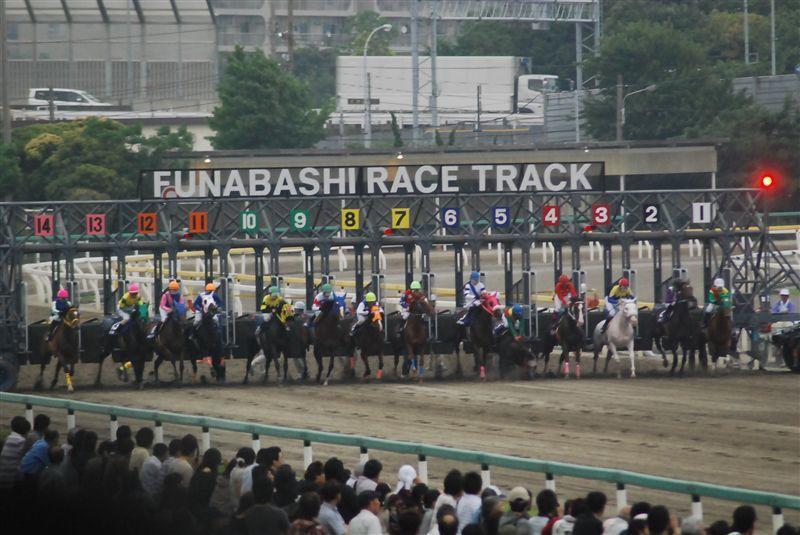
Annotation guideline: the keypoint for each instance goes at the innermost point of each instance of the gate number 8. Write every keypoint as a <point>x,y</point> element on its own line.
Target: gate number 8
<point>651,213</point>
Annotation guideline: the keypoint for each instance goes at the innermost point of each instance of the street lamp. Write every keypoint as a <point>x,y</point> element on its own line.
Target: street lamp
<point>367,118</point>
<point>649,89</point>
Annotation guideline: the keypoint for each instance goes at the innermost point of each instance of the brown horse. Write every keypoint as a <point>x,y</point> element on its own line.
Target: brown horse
<point>415,337</point>
<point>64,347</point>
<point>170,345</point>
<point>369,341</point>
<point>330,336</point>
<point>718,333</point>
<point>479,334</point>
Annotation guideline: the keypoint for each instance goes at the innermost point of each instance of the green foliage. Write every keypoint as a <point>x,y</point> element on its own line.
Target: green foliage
<point>358,27</point>
<point>10,173</point>
<point>438,138</point>
<point>88,159</point>
<point>451,139</point>
<point>398,138</point>
<point>262,106</point>
<point>316,68</point>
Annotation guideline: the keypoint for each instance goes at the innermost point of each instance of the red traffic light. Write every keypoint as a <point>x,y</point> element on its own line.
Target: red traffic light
<point>767,181</point>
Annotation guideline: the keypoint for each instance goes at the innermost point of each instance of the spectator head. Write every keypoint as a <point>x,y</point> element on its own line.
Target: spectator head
<point>383,490</point>
<point>124,431</point>
<point>472,483</point>
<point>473,529</point>
<point>71,435</point>
<point>547,503</point>
<point>372,469</point>
<point>105,448</point>
<point>692,525</point>
<point>55,454</point>
<point>245,457</point>
<point>174,447</point>
<point>658,520</point>
<point>492,490</point>
<point>188,446</point>
<point>212,458</point>
<point>587,525</point>
<point>596,501</point>
<point>430,498</point>
<point>578,508</point>
<point>160,451</point>
<point>201,487</point>
<point>315,473</point>
<point>331,491</point>
<point>125,446</point>
<point>20,425</point>
<point>334,469</point>
<point>308,506</point>
<point>418,494</point>
<point>744,519</point>
<point>519,500</point>
<point>406,477</point>
<point>453,483</point>
<point>640,508</point>
<point>408,522</point>
<point>720,527</point>
<point>262,487</point>
<point>491,511</point>
<point>275,456</point>
<point>41,422</point>
<point>370,501</point>
<point>145,438</point>
<point>639,527</point>
<point>447,520</point>
<point>51,436</point>
<point>787,529</point>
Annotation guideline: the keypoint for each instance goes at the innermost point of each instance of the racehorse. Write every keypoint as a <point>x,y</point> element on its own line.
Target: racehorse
<point>63,345</point>
<point>718,333</point>
<point>415,338</point>
<point>207,341</point>
<point>661,316</point>
<point>369,341</point>
<point>682,330</point>
<point>272,341</point>
<point>479,335</point>
<point>330,336</point>
<point>169,343</point>
<point>620,333</point>
<point>131,342</point>
<point>274,338</point>
<point>569,335</point>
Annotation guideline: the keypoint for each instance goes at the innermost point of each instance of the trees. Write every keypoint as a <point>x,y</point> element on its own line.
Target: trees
<point>262,106</point>
<point>316,67</point>
<point>10,174</point>
<point>358,28</point>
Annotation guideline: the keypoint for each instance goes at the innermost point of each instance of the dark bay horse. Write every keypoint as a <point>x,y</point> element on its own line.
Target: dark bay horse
<point>207,341</point>
<point>131,343</point>
<point>415,338</point>
<point>661,316</point>
<point>170,344</point>
<point>479,335</point>
<point>569,335</point>
<point>272,339</point>
<point>718,333</point>
<point>369,341</point>
<point>64,347</point>
<point>330,336</point>
<point>682,330</point>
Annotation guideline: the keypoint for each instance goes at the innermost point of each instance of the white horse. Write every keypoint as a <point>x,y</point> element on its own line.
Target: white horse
<point>621,333</point>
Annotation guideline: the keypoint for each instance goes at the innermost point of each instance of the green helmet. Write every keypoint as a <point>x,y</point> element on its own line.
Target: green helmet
<point>274,290</point>
<point>370,297</point>
<point>327,288</point>
<point>416,285</point>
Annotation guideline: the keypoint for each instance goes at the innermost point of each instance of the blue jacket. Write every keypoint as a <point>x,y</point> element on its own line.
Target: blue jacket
<point>198,302</point>
<point>37,458</point>
<point>62,305</point>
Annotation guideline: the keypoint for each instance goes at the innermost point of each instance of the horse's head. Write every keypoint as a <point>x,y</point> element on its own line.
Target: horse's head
<point>684,290</point>
<point>576,310</point>
<point>421,305</point>
<point>72,317</point>
<point>490,300</point>
<point>630,310</point>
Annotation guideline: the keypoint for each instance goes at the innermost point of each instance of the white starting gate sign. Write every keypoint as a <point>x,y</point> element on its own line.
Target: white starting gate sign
<point>701,212</point>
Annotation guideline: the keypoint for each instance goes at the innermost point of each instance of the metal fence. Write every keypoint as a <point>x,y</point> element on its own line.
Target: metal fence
<point>422,451</point>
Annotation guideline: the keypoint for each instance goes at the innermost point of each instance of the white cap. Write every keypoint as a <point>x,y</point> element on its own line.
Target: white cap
<point>785,291</point>
<point>719,283</point>
<point>405,478</point>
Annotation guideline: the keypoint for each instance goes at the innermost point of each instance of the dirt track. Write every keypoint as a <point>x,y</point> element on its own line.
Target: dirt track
<point>738,428</point>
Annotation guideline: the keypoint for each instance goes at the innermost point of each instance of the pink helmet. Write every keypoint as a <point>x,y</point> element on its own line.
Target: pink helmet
<point>133,288</point>
<point>62,294</point>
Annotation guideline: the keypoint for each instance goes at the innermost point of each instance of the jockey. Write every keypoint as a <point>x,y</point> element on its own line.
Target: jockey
<point>60,307</point>
<point>564,291</point>
<point>621,290</point>
<point>363,311</point>
<point>273,304</point>
<point>299,308</point>
<point>325,294</point>
<point>718,295</point>
<point>670,296</point>
<point>414,293</point>
<point>198,303</point>
<point>511,322</point>
<point>128,302</point>
<point>473,290</point>
<point>169,300</point>
<point>784,306</point>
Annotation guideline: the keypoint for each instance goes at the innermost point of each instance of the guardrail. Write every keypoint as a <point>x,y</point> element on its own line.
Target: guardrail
<point>422,451</point>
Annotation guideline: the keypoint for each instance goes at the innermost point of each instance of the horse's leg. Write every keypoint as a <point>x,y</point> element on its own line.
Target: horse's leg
<point>285,367</point>
<point>578,363</point>
<point>318,358</point>
<point>563,362</point>
<point>630,354</point>
<point>156,365</point>
<point>40,380</point>
<point>480,359</point>
<point>330,368</point>
<point>70,377</point>
<point>613,353</point>
<point>683,360</point>
<point>55,375</point>
<point>660,347</point>
<point>364,358</point>
<point>380,365</point>
<point>674,358</point>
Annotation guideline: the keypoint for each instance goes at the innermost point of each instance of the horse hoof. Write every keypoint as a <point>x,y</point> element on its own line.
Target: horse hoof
<point>379,375</point>
<point>70,389</point>
<point>483,373</point>
<point>203,380</point>
<point>633,375</point>
<point>325,383</point>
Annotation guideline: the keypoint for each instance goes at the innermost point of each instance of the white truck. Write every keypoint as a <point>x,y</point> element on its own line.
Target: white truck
<point>505,95</point>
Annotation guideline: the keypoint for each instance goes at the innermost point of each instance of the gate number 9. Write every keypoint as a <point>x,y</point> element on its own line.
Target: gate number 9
<point>651,213</point>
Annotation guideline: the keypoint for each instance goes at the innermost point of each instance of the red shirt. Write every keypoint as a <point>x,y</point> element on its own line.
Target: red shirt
<point>564,290</point>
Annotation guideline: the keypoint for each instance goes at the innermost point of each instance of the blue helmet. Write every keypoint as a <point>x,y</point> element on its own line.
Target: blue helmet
<point>517,309</point>
<point>474,276</point>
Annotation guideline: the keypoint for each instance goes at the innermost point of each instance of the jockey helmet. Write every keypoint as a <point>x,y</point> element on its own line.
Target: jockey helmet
<point>416,285</point>
<point>517,309</point>
<point>62,294</point>
<point>133,288</point>
<point>174,286</point>
<point>719,283</point>
<point>300,306</point>
<point>274,290</point>
<point>624,282</point>
<point>370,297</point>
<point>564,279</point>
<point>785,291</point>
<point>474,276</point>
<point>327,288</point>
<point>210,287</point>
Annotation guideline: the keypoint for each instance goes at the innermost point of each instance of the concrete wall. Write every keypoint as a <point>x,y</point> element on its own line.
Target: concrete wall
<point>770,91</point>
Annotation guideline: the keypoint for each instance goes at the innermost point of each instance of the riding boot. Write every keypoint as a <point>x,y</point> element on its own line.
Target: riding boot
<point>50,331</point>
<point>605,326</point>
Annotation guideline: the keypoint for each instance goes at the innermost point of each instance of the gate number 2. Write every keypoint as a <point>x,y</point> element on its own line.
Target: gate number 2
<point>651,213</point>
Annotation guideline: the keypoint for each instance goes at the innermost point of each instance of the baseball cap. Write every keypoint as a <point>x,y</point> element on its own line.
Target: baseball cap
<point>405,478</point>
<point>518,493</point>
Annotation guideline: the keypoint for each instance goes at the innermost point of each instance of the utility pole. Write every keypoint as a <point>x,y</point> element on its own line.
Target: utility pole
<point>415,71</point>
<point>434,88</point>
<point>290,36</point>
<point>772,32</point>
<point>746,35</point>
<point>129,77</point>
<point>619,107</point>
<point>368,137</point>
<point>51,106</point>
<point>478,118</point>
<point>4,75</point>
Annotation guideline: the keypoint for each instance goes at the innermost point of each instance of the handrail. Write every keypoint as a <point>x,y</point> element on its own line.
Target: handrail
<point>756,497</point>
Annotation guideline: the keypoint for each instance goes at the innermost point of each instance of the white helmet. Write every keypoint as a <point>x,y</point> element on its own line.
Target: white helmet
<point>719,283</point>
<point>299,305</point>
<point>785,291</point>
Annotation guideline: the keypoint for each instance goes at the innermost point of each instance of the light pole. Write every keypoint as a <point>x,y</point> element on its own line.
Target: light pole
<point>367,118</point>
<point>621,103</point>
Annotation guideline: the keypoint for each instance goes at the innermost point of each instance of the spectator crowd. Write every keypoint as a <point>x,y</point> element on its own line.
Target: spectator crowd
<point>131,485</point>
